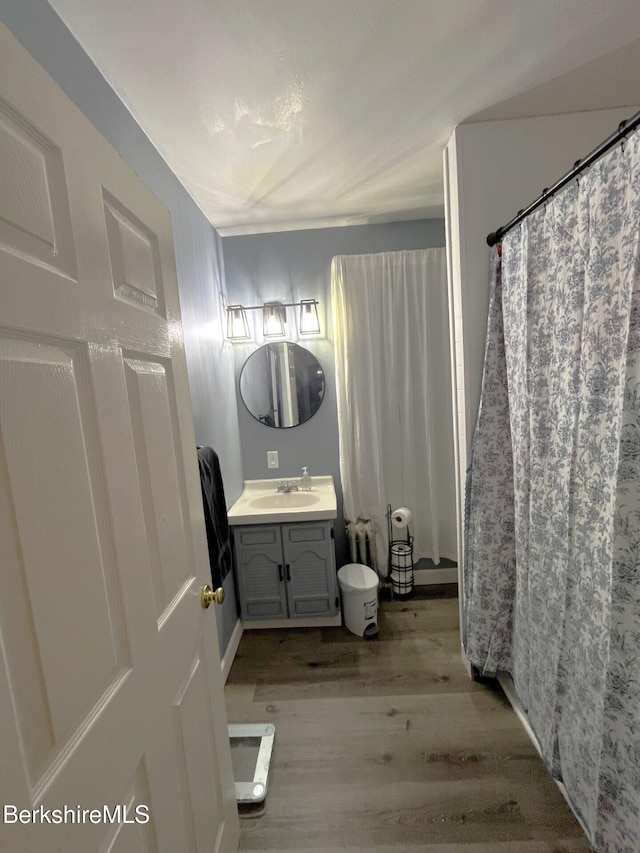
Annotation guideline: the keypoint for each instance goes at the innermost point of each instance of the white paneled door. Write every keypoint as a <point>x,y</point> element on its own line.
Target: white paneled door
<point>113,731</point>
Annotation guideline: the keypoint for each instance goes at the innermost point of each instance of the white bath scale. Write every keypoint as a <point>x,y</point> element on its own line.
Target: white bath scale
<point>251,748</point>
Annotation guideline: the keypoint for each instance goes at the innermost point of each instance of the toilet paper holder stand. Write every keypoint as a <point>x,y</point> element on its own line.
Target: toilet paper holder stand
<point>400,558</point>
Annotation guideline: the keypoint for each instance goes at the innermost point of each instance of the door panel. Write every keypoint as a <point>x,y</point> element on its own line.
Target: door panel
<point>34,208</point>
<point>194,727</point>
<point>48,450</point>
<point>310,553</point>
<point>261,572</point>
<point>152,413</point>
<point>135,260</point>
<point>110,688</point>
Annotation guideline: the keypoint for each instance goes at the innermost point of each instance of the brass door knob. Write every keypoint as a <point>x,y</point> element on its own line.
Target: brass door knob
<point>208,596</point>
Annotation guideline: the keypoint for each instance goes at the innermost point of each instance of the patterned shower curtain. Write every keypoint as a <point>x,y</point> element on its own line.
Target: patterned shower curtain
<point>552,583</point>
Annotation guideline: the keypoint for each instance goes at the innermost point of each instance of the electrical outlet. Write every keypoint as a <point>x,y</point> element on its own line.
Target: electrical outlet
<point>272,459</point>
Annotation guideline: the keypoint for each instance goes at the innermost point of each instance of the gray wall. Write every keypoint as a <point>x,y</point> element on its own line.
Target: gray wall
<point>289,266</point>
<point>197,245</point>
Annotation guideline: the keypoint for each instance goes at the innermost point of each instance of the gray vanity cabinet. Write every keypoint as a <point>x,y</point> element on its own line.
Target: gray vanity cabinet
<point>286,571</point>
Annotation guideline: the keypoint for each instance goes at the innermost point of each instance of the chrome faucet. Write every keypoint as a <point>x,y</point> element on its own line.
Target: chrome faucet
<point>287,486</point>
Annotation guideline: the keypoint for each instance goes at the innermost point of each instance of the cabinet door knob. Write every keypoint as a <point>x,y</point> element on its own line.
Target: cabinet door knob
<point>288,567</point>
<point>280,572</point>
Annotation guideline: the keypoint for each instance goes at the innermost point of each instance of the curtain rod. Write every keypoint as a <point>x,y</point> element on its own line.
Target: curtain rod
<point>624,128</point>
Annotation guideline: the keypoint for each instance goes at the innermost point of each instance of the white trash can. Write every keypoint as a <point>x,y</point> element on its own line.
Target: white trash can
<point>359,588</point>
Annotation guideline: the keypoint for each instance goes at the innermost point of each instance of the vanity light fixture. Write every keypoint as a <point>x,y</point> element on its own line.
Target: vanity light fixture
<point>237,325</point>
<point>274,316</point>
<point>273,319</point>
<point>309,323</point>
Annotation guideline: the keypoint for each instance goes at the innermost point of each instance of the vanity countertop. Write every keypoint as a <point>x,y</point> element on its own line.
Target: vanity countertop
<point>261,503</point>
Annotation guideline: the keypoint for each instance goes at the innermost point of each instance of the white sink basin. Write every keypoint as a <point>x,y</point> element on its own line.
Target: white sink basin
<point>261,503</point>
<point>284,500</point>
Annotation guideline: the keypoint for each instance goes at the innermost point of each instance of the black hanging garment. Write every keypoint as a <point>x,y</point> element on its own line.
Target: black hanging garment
<point>215,516</point>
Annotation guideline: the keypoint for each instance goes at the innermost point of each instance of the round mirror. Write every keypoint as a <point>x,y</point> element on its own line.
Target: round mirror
<point>282,384</point>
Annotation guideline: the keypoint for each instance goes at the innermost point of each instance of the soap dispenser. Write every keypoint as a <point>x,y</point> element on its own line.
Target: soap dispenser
<point>305,480</point>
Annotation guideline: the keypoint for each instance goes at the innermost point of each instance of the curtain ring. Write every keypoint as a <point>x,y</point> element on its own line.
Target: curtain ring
<point>621,127</point>
<point>575,166</point>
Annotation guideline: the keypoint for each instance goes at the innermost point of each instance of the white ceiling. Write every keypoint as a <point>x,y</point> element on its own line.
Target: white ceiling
<point>284,114</point>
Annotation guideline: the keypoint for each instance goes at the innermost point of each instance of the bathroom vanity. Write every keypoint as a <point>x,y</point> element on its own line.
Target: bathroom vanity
<point>285,555</point>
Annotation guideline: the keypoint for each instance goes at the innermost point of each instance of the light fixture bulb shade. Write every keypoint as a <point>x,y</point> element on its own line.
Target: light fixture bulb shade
<point>273,320</point>
<point>237,325</point>
<point>309,323</point>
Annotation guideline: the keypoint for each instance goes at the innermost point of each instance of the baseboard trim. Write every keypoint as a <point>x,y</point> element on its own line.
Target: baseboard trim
<point>303,622</point>
<point>424,577</point>
<point>230,652</point>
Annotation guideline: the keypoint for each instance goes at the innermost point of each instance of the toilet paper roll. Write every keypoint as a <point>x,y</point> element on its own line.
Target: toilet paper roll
<point>401,518</point>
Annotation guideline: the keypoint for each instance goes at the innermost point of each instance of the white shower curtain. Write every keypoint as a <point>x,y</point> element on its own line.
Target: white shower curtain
<point>393,385</point>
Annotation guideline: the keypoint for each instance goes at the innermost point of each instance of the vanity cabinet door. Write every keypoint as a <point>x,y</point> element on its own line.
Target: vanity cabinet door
<point>310,569</point>
<point>261,577</point>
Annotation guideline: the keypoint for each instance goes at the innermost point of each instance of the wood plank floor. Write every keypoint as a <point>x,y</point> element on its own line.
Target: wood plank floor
<point>386,746</point>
